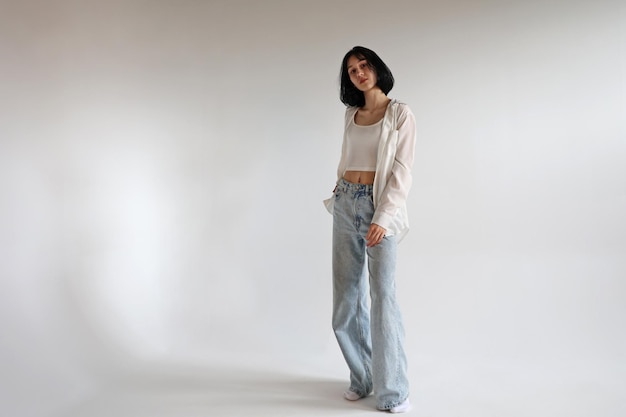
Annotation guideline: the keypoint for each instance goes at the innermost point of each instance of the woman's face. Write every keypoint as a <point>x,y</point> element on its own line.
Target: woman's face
<point>362,76</point>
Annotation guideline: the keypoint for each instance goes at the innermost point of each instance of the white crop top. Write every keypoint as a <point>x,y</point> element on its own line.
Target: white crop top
<point>362,146</point>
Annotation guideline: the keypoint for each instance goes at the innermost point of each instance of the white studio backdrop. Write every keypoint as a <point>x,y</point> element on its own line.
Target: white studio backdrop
<point>162,166</point>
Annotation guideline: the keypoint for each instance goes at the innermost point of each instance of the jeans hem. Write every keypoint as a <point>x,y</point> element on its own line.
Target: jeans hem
<point>359,393</point>
<point>389,406</point>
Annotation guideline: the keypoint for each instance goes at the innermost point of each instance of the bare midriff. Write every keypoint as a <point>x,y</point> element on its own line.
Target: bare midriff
<point>360,177</point>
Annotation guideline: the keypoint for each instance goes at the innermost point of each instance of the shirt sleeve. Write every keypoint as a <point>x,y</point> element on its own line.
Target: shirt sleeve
<point>396,191</point>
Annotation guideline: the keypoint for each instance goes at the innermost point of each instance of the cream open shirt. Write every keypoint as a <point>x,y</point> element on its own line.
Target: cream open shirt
<point>396,151</point>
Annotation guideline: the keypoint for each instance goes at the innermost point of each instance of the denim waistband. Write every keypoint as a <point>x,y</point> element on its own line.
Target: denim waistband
<point>346,186</point>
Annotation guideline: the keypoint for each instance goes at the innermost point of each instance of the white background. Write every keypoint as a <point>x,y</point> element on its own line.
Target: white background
<point>163,246</point>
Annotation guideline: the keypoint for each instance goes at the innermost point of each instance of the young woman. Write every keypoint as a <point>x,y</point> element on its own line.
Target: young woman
<point>369,219</point>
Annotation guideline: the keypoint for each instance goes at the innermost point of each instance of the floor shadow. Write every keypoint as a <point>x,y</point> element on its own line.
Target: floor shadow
<point>223,393</point>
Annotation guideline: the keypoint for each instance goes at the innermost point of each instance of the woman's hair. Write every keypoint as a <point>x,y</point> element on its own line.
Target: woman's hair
<point>349,94</point>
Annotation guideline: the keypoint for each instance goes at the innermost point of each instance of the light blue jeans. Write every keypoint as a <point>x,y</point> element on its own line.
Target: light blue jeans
<point>373,349</point>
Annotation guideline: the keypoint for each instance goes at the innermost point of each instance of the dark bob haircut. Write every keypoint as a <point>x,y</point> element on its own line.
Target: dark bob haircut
<point>349,94</point>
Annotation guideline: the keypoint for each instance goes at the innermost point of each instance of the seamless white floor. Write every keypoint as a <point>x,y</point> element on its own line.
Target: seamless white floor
<point>461,387</point>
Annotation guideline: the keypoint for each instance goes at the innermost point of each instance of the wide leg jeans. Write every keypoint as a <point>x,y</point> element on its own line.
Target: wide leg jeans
<point>369,330</point>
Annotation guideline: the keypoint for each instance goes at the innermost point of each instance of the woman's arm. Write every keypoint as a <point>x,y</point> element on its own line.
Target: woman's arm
<point>396,191</point>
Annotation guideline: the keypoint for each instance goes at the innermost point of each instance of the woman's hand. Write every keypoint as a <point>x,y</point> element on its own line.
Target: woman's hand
<point>375,235</point>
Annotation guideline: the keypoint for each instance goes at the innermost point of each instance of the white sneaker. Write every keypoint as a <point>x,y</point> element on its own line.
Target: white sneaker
<point>351,396</point>
<point>403,407</point>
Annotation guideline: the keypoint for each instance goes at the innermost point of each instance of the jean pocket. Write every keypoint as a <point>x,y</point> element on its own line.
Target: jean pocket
<point>337,195</point>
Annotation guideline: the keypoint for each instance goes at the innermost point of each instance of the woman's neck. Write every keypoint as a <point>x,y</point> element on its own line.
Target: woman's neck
<point>375,99</point>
